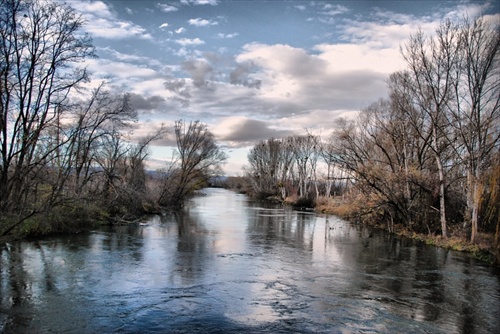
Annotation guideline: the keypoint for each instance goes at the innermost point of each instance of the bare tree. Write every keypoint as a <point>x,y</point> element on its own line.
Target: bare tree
<point>40,44</point>
<point>327,152</point>
<point>136,174</point>
<point>198,157</point>
<point>306,153</point>
<point>270,164</point>
<point>96,124</point>
<point>475,111</point>
<point>433,64</point>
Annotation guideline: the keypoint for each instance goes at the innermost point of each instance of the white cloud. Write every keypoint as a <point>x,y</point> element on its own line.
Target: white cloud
<point>92,6</point>
<point>103,68</point>
<point>468,10</point>
<point>180,30</point>
<point>128,58</point>
<point>115,29</point>
<point>105,24</point>
<point>385,35</point>
<point>167,8</point>
<point>151,86</point>
<point>233,35</point>
<point>339,77</point>
<point>332,10</point>
<point>352,57</point>
<point>164,25</point>
<point>188,41</point>
<point>199,22</point>
<point>320,122</point>
<point>200,2</point>
<point>284,69</point>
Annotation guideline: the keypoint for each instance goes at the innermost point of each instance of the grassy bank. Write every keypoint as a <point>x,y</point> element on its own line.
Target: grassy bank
<point>481,250</point>
<point>64,219</point>
<point>359,210</point>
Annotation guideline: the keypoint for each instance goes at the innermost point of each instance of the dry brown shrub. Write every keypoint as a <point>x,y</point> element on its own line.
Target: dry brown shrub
<point>291,200</point>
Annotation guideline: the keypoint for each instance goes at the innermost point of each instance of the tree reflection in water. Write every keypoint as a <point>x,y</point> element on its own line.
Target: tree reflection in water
<point>230,265</point>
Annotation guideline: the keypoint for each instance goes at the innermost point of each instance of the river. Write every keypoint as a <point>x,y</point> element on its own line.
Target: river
<point>232,265</point>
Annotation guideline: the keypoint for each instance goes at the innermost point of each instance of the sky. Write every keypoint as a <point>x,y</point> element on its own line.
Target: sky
<point>252,70</point>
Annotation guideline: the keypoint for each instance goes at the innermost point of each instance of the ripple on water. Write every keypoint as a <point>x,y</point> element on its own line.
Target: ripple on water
<point>231,265</point>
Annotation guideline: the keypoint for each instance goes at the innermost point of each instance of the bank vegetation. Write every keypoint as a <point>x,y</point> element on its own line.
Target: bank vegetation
<point>425,161</point>
<point>66,157</point>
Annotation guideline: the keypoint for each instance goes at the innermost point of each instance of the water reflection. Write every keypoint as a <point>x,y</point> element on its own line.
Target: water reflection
<point>275,228</point>
<point>232,265</point>
<point>193,246</point>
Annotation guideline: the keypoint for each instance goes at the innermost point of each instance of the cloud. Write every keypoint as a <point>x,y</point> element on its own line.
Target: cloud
<point>139,102</point>
<point>188,41</point>
<point>199,22</point>
<point>105,24</point>
<point>266,90</point>
<point>179,89</point>
<point>352,57</point>
<point>290,81</point>
<point>335,77</point>
<point>240,131</point>
<point>240,75</point>
<point>145,129</point>
<point>116,29</point>
<point>198,70</point>
<point>124,57</point>
<point>388,34</point>
<point>164,25</point>
<point>223,99</point>
<point>284,59</point>
<point>92,6</point>
<point>167,8</point>
<point>332,10</point>
<point>128,76</point>
<point>233,35</point>
<point>469,10</point>
<point>284,70</point>
<point>200,2</point>
<point>319,122</point>
<point>104,68</point>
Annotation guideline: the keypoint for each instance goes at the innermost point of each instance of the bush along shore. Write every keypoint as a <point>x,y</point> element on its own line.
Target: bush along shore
<point>354,206</point>
<point>485,247</point>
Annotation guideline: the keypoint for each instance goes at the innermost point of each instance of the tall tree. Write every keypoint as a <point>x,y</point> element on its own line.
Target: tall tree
<point>476,110</point>
<point>40,46</point>
<point>433,64</point>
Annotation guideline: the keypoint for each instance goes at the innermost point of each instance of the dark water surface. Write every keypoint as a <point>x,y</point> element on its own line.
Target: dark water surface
<point>230,265</point>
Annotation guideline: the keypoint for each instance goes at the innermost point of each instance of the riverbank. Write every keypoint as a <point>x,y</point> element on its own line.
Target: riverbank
<point>483,249</point>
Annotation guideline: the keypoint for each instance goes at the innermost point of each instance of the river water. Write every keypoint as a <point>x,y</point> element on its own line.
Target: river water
<point>232,265</point>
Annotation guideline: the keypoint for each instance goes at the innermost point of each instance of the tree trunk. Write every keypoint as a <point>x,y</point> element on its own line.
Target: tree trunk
<point>442,200</point>
<point>476,197</point>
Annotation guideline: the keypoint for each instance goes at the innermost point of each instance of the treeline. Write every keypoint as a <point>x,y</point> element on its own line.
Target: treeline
<point>427,158</point>
<point>66,159</point>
